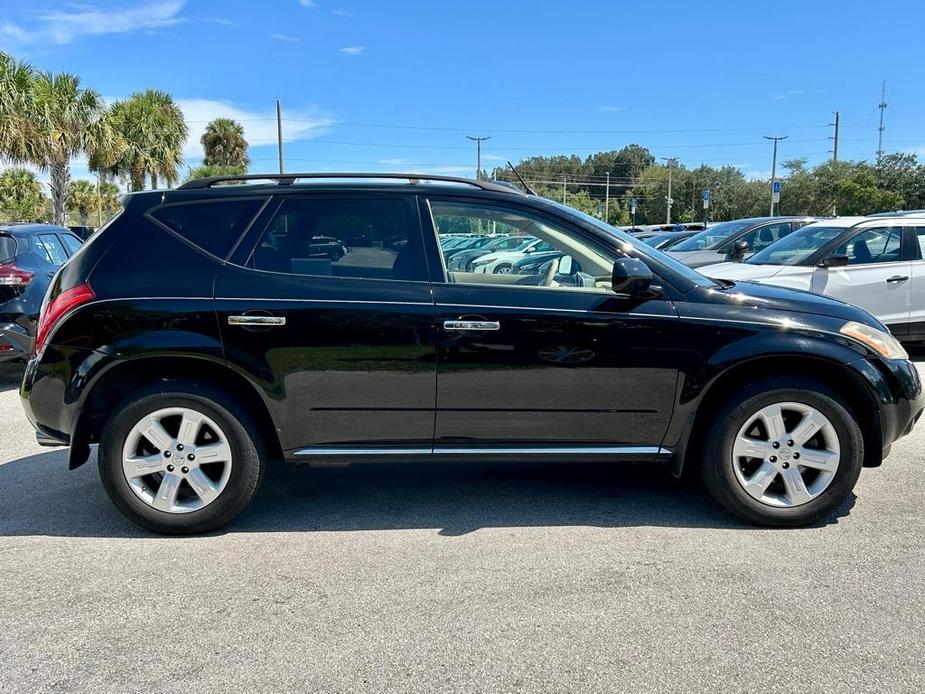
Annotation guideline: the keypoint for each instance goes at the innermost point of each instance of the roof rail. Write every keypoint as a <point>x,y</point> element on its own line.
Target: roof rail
<point>288,179</point>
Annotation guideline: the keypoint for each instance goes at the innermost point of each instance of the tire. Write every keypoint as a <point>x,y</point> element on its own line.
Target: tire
<point>782,504</point>
<point>503,269</point>
<point>222,431</point>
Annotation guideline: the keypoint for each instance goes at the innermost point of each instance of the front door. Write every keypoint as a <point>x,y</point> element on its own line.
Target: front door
<point>547,359</point>
<point>328,308</point>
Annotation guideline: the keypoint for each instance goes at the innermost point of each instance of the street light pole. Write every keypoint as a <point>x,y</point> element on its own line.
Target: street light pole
<point>668,200</point>
<point>279,133</point>
<point>775,140</point>
<point>478,154</point>
<point>607,200</point>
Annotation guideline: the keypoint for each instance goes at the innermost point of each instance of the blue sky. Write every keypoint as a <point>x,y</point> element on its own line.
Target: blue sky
<point>398,85</point>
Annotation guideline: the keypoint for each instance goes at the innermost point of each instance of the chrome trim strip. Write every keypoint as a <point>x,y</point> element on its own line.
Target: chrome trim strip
<point>471,325</point>
<point>326,301</point>
<point>530,450</point>
<point>257,320</point>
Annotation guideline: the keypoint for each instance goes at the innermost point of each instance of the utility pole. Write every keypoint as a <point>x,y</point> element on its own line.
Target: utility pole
<point>668,200</point>
<point>607,200</point>
<point>882,107</point>
<point>564,176</point>
<point>835,137</point>
<point>775,140</point>
<point>478,154</point>
<point>279,133</point>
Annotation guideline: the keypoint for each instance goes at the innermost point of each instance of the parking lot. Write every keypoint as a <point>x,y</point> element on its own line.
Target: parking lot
<point>457,578</point>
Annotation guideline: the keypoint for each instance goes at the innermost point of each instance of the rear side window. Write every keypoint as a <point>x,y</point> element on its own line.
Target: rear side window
<point>7,248</point>
<point>49,246</point>
<point>343,237</point>
<point>212,226</point>
<point>72,243</point>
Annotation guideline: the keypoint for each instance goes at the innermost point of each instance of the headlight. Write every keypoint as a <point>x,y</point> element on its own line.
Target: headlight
<point>479,262</point>
<point>881,342</point>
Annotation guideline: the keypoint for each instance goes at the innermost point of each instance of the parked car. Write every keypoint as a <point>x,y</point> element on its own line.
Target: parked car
<point>735,240</point>
<point>190,342</point>
<point>873,262</point>
<point>30,255</point>
<point>82,232</point>
<point>469,245</point>
<point>464,259</point>
<point>502,262</point>
<point>665,240</point>
<point>327,247</point>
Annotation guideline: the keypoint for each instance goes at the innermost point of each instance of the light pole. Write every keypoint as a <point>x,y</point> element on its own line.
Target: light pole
<point>668,200</point>
<point>478,154</point>
<point>775,140</point>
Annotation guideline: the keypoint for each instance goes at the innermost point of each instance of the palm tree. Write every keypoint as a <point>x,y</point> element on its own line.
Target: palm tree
<point>224,145</point>
<point>21,198</point>
<point>154,130</point>
<point>83,200</point>
<point>16,79</point>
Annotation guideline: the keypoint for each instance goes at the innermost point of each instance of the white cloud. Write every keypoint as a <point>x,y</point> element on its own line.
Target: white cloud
<point>285,38</point>
<point>343,13</point>
<point>609,109</point>
<point>259,126</point>
<point>64,26</point>
<point>353,50</point>
<point>492,157</point>
<point>308,3</point>
<point>787,94</point>
<point>393,162</point>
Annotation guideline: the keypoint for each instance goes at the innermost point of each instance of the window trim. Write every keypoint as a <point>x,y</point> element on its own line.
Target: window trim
<point>243,253</point>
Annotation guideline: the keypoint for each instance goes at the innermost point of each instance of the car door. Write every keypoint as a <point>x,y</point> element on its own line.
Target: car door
<point>342,345</point>
<point>916,255</point>
<point>547,364</point>
<point>877,277</point>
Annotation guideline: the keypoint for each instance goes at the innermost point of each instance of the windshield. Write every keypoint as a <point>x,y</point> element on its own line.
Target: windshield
<point>715,236</point>
<point>640,248</point>
<point>796,247</point>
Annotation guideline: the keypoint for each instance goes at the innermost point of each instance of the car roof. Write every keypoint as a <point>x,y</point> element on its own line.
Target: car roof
<point>25,229</point>
<point>855,220</point>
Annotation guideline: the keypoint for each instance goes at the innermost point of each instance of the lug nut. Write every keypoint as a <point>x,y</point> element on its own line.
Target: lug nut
<point>785,465</point>
<point>184,469</point>
<point>790,443</point>
<point>796,456</point>
<point>170,468</point>
<point>191,457</point>
<point>775,445</point>
<point>166,454</point>
<point>773,458</point>
<point>180,446</point>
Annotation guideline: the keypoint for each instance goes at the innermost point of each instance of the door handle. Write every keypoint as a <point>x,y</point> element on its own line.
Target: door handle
<point>897,278</point>
<point>471,325</point>
<point>262,321</point>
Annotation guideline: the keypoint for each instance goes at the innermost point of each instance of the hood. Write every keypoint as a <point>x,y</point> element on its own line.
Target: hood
<point>742,271</point>
<point>773,298</point>
<point>696,258</point>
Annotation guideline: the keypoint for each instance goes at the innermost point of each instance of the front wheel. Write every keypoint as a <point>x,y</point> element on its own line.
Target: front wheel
<point>178,459</point>
<point>782,452</point>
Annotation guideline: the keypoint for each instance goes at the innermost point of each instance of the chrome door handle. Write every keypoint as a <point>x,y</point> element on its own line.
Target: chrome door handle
<point>471,325</point>
<point>262,321</point>
<point>897,278</point>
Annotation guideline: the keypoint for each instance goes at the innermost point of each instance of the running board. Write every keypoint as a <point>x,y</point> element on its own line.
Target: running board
<point>493,451</point>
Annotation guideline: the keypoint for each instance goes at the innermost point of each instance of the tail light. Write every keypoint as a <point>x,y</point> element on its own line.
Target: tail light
<point>12,276</point>
<point>55,310</point>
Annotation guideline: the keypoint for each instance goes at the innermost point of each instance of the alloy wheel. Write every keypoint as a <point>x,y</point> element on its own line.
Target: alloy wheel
<point>177,460</point>
<point>786,454</point>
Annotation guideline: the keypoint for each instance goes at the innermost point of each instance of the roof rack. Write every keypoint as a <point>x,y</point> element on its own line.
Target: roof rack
<point>288,179</point>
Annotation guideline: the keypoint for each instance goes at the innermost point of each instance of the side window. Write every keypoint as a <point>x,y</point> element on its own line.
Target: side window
<point>872,246</point>
<point>763,237</point>
<point>71,243</point>
<point>920,237</point>
<point>376,238</point>
<point>521,249</point>
<point>214,226</point>
<point>7,247</point>
<point>50,247</point>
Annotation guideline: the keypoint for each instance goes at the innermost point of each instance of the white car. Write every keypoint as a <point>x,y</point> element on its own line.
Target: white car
<point>873,262</point>
<point>502,262</point>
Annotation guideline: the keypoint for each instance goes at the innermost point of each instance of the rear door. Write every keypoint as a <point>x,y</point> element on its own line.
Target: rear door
<point>916,256</point>
<point>341,343</point>
<point>877,277</point>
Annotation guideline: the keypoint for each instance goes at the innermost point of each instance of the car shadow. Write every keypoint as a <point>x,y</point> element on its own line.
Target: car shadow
<point>10,376</point>
<point>39,496</point>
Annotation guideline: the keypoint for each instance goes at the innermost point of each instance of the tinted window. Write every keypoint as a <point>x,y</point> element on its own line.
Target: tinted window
<point>713,236</point>
<point>797,247</point>
<point>343,237</point>
<point>72,243</point>
<point>48,246</point>
<point>7,247</point>
<point>213,226</point>
<point>872,246</point>
<point>763,237</point>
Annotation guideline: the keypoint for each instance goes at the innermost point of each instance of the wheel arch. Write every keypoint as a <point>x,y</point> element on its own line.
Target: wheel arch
<point>842,379</point>
<point>124,377</point>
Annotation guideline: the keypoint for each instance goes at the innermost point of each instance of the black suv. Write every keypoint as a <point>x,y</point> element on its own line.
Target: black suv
<point>203,333</point>
<point>30,255</point>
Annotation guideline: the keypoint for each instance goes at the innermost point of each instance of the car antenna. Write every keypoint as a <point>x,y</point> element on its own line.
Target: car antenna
<point>522,181</point>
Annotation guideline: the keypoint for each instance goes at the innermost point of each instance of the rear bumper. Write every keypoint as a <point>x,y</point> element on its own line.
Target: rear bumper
<point>15,342</point>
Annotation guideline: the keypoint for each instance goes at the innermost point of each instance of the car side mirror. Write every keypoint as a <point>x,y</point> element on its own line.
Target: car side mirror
<point>565,266</point>
<point>631,276</point>
<point>834,261</point>
<point>739,249</point>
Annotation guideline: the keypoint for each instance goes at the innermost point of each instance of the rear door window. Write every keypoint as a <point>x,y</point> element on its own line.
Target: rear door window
<point>214,226</point>
<point>375,238</point>
<point>762,237</point>
<point>71,243</point>
<point>880,245</point>
<point>49,247</point>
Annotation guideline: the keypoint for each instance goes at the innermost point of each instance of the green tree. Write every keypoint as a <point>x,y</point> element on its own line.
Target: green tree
<point>154,131</point>
<point>224,144</point>
<point>21,198</point>
<point>206,171</point>
<point>83,200</point>
<point>16,80</point>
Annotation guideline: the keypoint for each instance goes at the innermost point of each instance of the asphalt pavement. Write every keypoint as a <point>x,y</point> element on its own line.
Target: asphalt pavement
<point>457,578</point>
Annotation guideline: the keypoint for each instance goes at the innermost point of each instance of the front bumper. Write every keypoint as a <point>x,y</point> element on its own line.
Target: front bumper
<point>898,388</point>
<point>15,342</point>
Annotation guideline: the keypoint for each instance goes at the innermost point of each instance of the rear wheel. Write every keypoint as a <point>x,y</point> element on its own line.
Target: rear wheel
<point>782,452</point>
<point>178,459</point>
